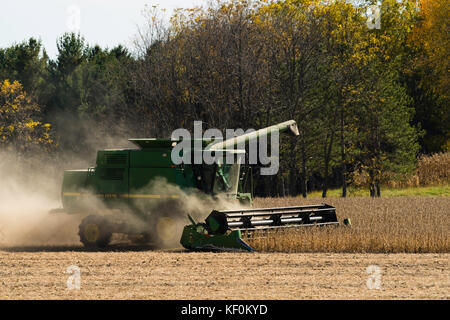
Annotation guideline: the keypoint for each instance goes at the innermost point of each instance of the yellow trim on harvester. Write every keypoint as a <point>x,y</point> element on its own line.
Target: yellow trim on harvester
<point>118,195</point>
<point>71,194</point>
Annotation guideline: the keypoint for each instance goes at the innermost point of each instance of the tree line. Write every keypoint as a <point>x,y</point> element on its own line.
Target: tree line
<point>367,100</point>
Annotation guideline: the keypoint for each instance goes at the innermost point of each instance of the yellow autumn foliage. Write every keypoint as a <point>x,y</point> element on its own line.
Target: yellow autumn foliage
<point>19,127</point>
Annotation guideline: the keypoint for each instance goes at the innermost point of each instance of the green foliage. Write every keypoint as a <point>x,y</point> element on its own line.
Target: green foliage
<point>89,91</point>
<point>27,63</point>
<point>435,191</point>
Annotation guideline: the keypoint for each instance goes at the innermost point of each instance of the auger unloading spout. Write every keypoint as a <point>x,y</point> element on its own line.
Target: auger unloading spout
<point>289,127</point>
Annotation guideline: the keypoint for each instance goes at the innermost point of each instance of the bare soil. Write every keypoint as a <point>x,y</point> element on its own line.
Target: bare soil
<point>136,273</point>
<point>380,225</point>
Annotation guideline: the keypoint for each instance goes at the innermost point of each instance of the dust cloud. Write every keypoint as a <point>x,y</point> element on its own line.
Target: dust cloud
<point>168,217</point>
<point>30,188</point>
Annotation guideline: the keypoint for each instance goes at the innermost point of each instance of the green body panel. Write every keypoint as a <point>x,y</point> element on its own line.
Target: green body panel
<point>110,180</point>
<point>196,237</point>
<point>74,180</point>
<point>113,158</point>
<point>245,198</point>
<point>132,178</point>
<point>141,178</point>
<point>126,176</point>
<point>74,184</point>
<point>150,158</point>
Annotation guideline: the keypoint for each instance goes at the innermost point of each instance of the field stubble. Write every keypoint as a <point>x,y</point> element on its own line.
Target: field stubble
<point>207,275</point>
<point>379,225</point>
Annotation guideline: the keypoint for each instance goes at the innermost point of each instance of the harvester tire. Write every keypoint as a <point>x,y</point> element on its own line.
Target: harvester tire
<point>95,232</point>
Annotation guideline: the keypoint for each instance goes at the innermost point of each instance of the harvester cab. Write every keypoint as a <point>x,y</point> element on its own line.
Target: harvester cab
<point>125,181</point>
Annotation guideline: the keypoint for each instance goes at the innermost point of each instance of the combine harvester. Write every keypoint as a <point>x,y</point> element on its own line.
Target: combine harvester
<point>120,183</point>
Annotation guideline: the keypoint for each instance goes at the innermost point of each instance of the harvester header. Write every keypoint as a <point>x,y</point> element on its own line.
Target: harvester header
<point>226,226</point>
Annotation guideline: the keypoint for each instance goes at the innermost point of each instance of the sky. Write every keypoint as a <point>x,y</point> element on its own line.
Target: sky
<point>104,22</point>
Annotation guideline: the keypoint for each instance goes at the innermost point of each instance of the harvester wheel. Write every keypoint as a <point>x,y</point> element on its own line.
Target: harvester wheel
<point>165,230</point>
<point>94,232</point>
<point>166,224</point>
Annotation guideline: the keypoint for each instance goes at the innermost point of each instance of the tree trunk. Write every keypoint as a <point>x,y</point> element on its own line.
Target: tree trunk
<point>292,170</point>
<point>378,166</point>
<point>325,181</point>
<point>327,154</point>
<point>372,191</point>
<point>372,184</point>
<point>303,178</point>
<point>344,165</point>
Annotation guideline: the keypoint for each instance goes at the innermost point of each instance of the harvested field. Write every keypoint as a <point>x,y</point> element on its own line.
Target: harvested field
<point>380,225</point>
<point>183,275</point>
<point>312,263</point>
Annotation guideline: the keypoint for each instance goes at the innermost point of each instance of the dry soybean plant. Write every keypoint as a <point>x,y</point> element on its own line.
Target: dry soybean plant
<point>434,170</point>
<point>380,225</point>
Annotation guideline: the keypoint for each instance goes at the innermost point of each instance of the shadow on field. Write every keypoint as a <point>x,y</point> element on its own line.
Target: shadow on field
<point>79,248</point>
<point>110,248</point>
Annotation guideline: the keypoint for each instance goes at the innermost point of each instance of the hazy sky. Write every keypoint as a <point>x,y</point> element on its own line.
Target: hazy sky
<point>103,22</point>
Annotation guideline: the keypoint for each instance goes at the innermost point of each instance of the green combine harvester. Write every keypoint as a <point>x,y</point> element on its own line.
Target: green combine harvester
<point>121,196</point>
